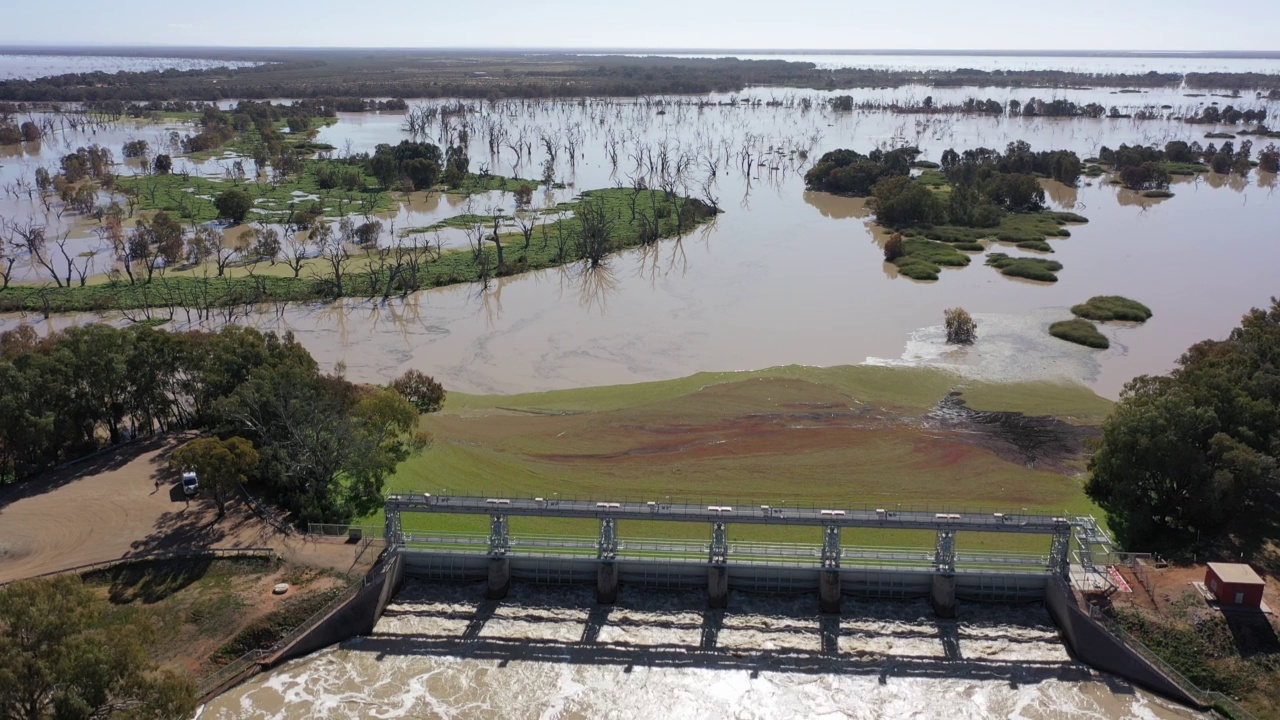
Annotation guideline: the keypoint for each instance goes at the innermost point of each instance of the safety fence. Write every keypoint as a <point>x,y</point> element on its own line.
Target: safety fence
<point>1216,700</point>
<point>339,529</point>
<point>252,661</point>
<point>269,515</point>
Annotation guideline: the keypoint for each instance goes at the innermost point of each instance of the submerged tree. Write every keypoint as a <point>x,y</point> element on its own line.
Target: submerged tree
<point>961,328</point>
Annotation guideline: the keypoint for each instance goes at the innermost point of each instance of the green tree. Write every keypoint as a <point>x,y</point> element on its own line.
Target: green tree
<point>234,205</point>
<point>901,201</point>
<point>163,164</point>
<point>221,465</point>
<point>323,456</point>
<point>1194,454</point>
<point>421,389</point>
<point>62,657</point>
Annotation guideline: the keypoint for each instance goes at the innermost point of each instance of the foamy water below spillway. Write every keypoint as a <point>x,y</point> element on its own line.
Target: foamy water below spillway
<point>441,651</point>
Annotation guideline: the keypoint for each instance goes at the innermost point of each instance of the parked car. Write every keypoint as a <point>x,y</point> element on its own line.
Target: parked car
<point>190,484</point>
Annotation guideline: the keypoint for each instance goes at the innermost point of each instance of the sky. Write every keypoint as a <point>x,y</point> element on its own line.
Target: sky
<point>654,24</point>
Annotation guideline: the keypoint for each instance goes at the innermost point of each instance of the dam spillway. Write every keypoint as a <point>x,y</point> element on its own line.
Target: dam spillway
<point>828,566</point>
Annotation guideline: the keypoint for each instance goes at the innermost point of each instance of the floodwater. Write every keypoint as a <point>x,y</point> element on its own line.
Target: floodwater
<point>28,67</point>
<point>1127,64</point>
<point>783,275</point>
<point>551,652</point>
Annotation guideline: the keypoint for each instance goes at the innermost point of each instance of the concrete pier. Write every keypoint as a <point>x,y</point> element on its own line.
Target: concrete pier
<point>499,578</point>
<point>718,586</point>
<point>607,583</point>
<point>943,596</point>
<point>829,591</point>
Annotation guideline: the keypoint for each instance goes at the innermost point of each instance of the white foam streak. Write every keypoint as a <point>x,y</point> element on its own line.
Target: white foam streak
<point>551,654</point>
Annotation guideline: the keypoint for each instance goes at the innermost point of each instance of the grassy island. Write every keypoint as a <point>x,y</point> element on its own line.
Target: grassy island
<point>961,204</point>
<point>1112,307</point>
<point>1080,332</point>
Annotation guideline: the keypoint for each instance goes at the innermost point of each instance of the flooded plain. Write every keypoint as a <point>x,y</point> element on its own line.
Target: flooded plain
<point>551,652</point>
<point>1126,63</point>
<point>782,275</point>
<point>31,66</point>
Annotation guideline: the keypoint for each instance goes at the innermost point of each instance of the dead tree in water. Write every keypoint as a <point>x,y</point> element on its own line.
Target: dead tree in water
<point>31,238</point>
<point>596,239</point>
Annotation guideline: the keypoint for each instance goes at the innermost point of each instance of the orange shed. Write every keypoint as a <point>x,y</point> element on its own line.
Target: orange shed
<point>1234,584</point>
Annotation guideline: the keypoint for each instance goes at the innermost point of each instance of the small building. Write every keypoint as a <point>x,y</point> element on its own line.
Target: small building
<point>1235,585</point>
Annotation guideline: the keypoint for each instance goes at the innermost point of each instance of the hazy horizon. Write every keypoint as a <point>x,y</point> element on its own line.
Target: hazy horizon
<point>1022,52</point>
<point>1140,26</point>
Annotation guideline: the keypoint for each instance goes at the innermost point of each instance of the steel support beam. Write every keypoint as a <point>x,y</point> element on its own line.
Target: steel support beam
<point>391,532</point>
<point>608,548</point>
<point>1060,551</point>
<point>831,550</point>
<point>719,553</point>
<point>944,555</point>
<point>499,538</point>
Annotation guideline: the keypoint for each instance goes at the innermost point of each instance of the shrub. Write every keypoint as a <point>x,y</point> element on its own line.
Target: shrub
<point>1080,332</point>
<point>961,329</point>
<point>1112,307</point>
<point>1037,245</point>
<point>894,247</point>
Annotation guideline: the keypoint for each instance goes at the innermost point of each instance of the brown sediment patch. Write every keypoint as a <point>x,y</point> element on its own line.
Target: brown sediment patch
<point>731,427</point>
<point>1035,441</point>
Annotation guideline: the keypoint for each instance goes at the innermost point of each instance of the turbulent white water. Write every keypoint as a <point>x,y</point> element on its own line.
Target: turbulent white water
<point>443,652</point>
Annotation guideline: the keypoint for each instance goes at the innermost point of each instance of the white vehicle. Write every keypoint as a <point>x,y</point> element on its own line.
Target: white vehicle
<point>190,484</point>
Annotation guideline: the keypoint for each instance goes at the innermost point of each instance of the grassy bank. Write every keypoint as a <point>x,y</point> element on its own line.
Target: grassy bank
<point>1236,654</point>
<point>368,273</point>
<point>842,436</point>
<point>206,610</point>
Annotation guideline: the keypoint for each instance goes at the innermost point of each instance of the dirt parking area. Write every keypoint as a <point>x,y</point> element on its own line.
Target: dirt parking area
<point>128,502</point>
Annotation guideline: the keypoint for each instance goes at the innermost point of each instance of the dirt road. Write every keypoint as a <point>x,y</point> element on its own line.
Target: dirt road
<point>112,507</point>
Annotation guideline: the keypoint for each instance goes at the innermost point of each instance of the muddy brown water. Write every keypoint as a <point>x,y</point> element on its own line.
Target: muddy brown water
<point>547,652</point>
<point>784,275</point>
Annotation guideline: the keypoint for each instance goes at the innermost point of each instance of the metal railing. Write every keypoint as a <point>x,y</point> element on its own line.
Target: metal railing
<point>267,514</point>
<point>210,683</point>
<point>244,663</point>
<point>1211,698</point>
<point>340,529</point>
<point>746,503</point>
<point>739,552</point>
